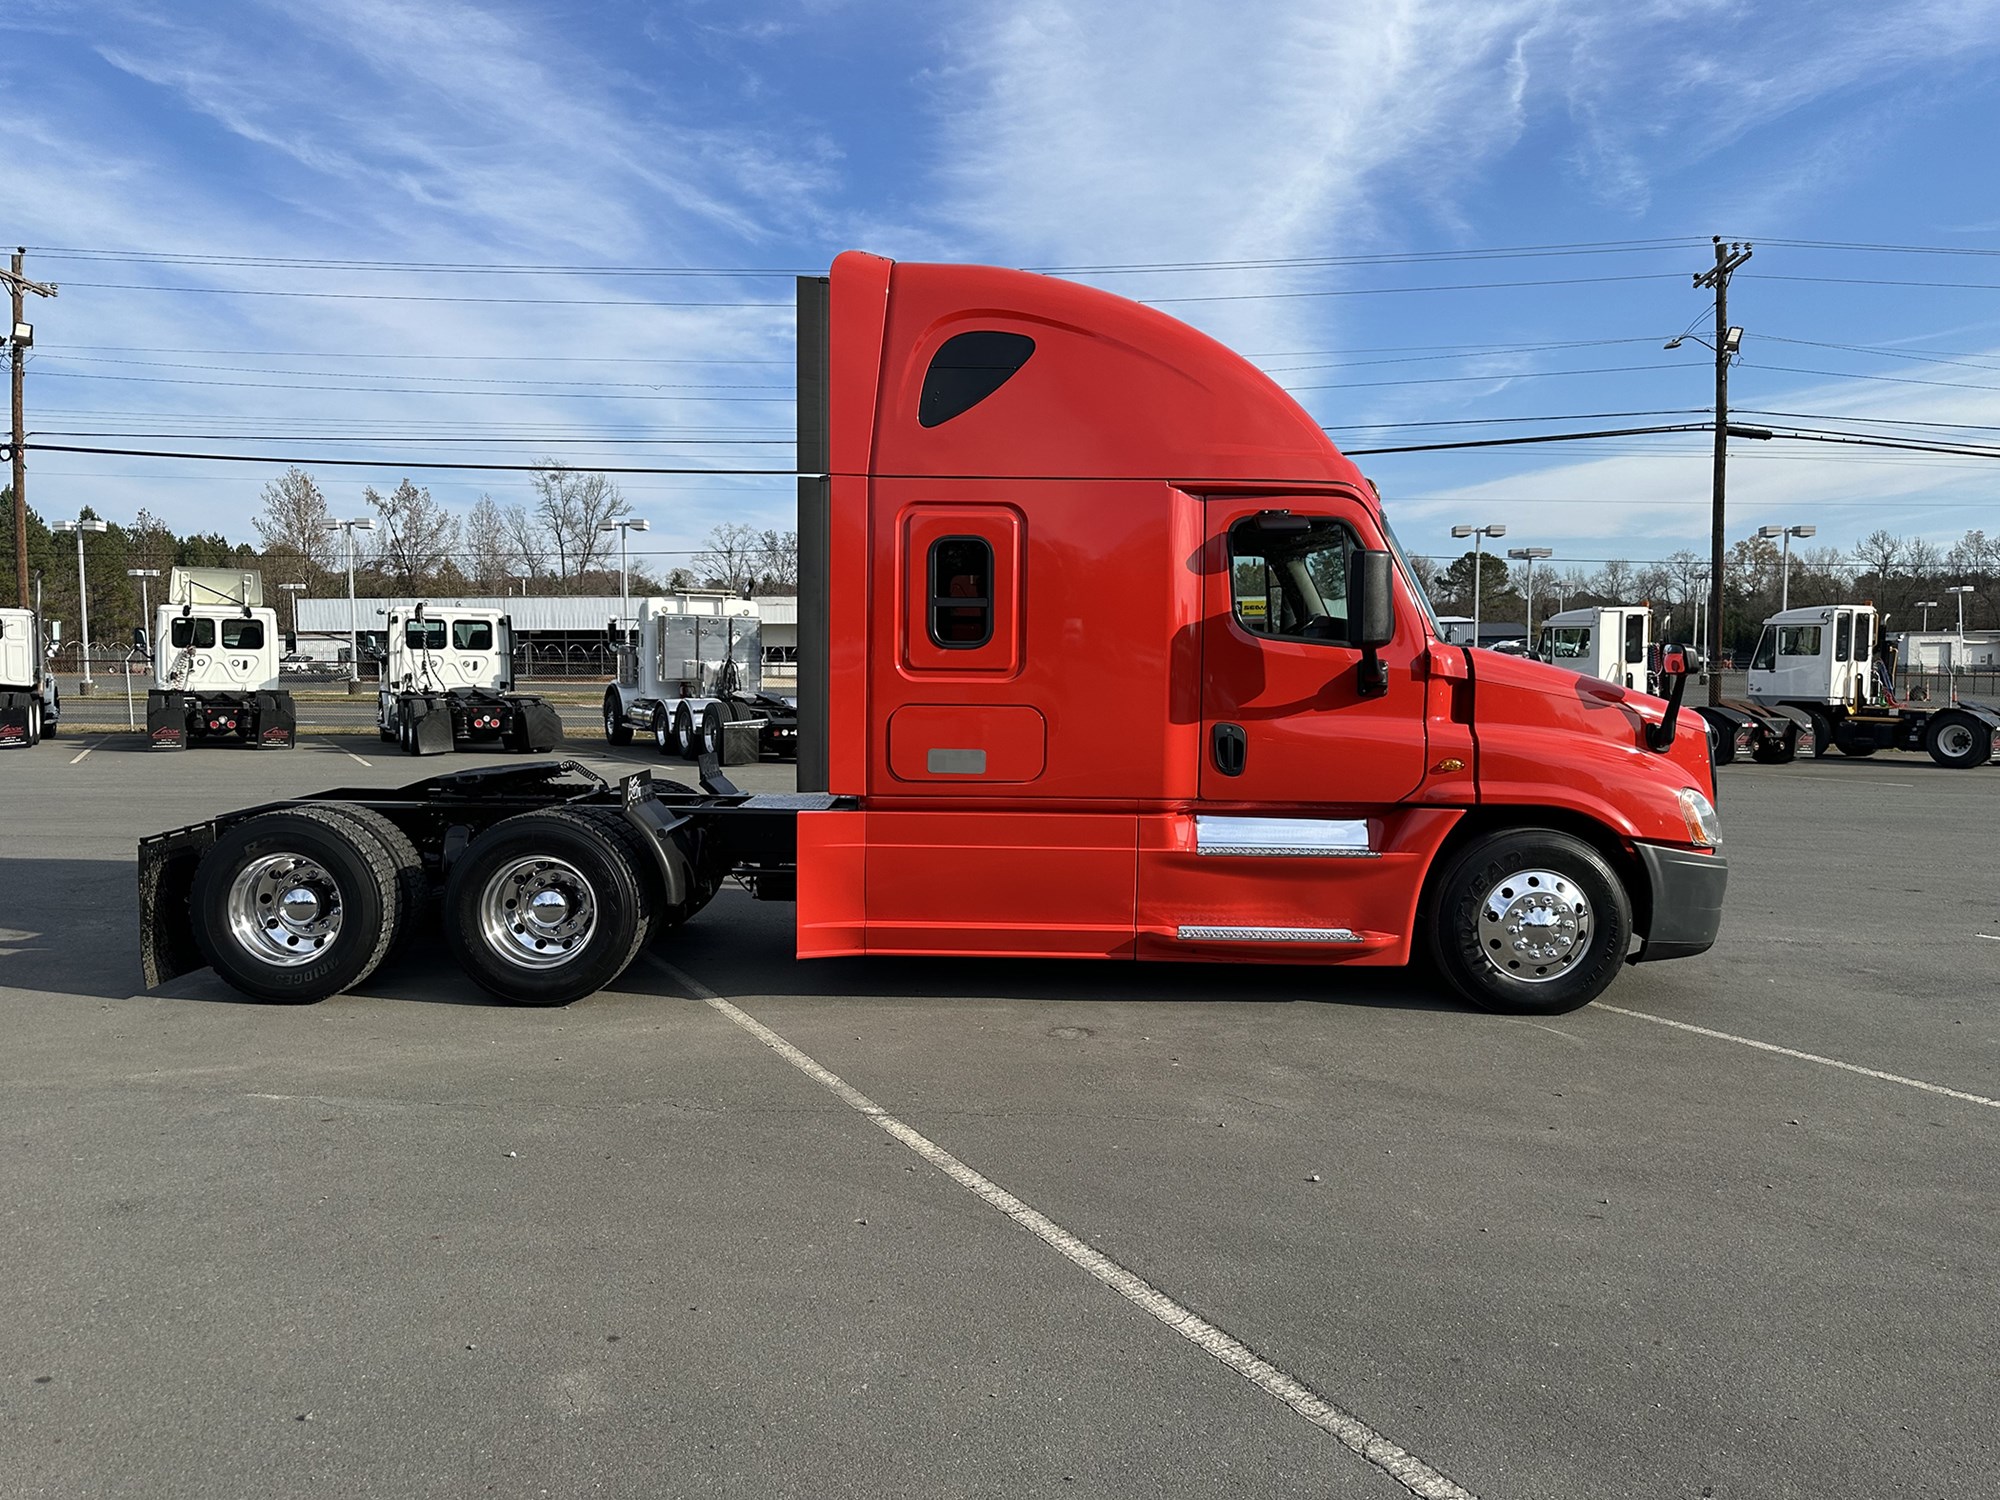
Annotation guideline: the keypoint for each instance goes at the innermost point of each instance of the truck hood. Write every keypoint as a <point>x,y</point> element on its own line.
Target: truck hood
<point>1534,722</point>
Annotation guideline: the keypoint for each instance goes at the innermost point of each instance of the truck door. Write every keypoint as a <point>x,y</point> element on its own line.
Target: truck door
<point>1284,718</point>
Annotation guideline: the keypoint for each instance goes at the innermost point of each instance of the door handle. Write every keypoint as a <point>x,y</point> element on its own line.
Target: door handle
<point>1231,747</point>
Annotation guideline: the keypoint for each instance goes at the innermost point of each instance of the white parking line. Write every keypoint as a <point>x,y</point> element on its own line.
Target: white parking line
<point>88,748</point>
<point>1811,1057</point>
<point>1416,1476</point>
<point>350,754</point>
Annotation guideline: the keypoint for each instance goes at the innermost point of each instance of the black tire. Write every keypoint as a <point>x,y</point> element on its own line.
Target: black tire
<point>388,735</point>
<point>662,730</point>
<point>1858,749</point>
<point>711,730</point>
<point>360,885</point>
<point>684,733</point>
<point>413,884</point>
<point>596,887</point>
<point>1958,741</point>
<point>1722,747</point>
<point>616,730</point>
<point>1822,724</point>
<point>1559,873</point>
<point>656,912</point>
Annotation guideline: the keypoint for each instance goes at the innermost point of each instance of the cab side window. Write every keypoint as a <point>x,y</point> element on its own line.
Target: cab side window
<point>961,592</point>
<point>1843,629</point>
<point>1288,576</point>
<point>1766,657</point>
<point>243,635</point>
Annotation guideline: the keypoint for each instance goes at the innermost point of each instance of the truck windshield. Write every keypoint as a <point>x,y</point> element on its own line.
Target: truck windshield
<point>1410,579</point>
<point>1565,642</point>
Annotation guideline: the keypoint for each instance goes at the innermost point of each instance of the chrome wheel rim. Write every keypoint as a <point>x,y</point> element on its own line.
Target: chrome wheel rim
<point>284,909</point>
<point>1534,926</point>
<point>537,912</point>
<point>1955,740</point>
<point>662,735</point>
<point>610,725</point>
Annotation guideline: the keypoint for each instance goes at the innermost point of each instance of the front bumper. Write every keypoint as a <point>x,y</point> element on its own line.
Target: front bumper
<point>1685,909</point>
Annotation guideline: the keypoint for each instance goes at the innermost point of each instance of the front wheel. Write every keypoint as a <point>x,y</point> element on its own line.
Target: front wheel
<point>1530,922</point>
<point>616,730</point>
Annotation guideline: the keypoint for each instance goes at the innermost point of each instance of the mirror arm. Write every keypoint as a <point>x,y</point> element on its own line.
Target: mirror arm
<point>1372,674</point>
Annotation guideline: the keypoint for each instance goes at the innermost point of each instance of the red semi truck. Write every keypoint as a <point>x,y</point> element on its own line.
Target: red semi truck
<point>1105,651</point>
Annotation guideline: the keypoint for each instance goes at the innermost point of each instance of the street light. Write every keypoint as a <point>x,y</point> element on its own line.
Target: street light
<point>80,526</point>
<point>353,627</point>
<point>1528,555</point>
<point>1478,535</point>
<point>624,588</point>
<point>293,590</point>
<point>1926,605</point>
<point>1785,572</point>
<point>1961,590</point>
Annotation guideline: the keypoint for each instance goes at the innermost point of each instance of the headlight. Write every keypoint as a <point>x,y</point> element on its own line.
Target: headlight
<point>1703,826</point>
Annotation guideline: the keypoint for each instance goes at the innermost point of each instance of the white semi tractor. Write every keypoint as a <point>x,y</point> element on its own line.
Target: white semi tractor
<point>689,668</point>
<point>1832,664</point>
<point>215,665</point>
<point>30,704</point>
<point>448,681</point>
<point>1615,642</point>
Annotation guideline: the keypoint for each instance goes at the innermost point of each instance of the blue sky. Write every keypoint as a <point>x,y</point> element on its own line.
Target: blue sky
<point>771,134</point>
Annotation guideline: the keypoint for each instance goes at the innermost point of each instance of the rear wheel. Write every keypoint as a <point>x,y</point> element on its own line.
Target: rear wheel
<point>545,908</point>
<point>1529,922</point>
<point>616,730</point>
<point>1822,725</point>
<point>34,721</point>
<point>295,905</point>
<point>1958,741</point>
<point>663,731</point>
<point>1859,749</point>
<point>684,733</point>
<point>1775,745</point>
<point>711,730</point>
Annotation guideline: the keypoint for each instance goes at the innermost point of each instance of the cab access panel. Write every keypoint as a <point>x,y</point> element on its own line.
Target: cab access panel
<point>1118,719</point>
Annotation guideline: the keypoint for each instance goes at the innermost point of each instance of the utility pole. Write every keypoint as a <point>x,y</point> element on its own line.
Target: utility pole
<point>19,337</point>
<point>1727,258</point>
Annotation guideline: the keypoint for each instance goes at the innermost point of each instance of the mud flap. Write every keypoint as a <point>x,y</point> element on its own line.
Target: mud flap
<point>166,878</point>
<point>14,718</point>
<point>166,721</point>
<point>430,725</point>
<point>277,720</point>
<point>537,727</point>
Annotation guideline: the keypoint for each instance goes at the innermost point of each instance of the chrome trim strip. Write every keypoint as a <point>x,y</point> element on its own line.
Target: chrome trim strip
<point>1283,838</point>
<point>1187,933</point>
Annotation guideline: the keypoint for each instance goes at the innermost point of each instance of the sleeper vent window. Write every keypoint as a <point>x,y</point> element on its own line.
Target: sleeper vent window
<point>968,368</point>
<point>961,592</point>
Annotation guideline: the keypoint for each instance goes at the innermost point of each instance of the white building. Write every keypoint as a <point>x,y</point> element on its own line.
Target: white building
<point>1948,651</point>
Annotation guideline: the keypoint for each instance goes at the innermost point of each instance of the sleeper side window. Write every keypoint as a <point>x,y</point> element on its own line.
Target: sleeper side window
<point>967,368</point>
<point>1288,576</point>
<point>961,592</point>
<point>243,635</point>
<point>472,635</point>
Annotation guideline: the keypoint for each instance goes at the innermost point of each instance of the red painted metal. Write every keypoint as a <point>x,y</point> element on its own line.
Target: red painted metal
<point>1035,791</point>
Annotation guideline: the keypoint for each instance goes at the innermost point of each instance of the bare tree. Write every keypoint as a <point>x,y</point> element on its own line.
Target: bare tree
<point>777,562</point>
<point>294,519</point>
<point>488,558</point>
<point>570,504</point>
<point>1877,554</point>
<point>416,536</point>
<point>731,559</point>
<point>527,544</point>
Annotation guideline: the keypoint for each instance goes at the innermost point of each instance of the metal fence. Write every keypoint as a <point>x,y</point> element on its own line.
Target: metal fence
<point>1942,687</point>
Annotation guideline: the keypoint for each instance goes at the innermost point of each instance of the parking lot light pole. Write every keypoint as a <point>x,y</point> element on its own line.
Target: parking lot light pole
<point>1528,555</point>
<point>353,627</point>
<point>1785,568</point>
<point>630,524</point>
<point>293,589</point>
<point>80,526</point>
<point>1478,535</point>
<point>1926,605</point>
<point>1960,590</point>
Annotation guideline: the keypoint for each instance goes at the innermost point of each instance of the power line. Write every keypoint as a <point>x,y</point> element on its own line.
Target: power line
<point>234,291</point>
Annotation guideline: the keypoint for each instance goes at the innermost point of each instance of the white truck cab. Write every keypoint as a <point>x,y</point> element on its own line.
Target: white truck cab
<point>1612,642</point>
<point>1825,654</point>
<point>206,647</point>
<point>29,705</point>
<point>451,648</point>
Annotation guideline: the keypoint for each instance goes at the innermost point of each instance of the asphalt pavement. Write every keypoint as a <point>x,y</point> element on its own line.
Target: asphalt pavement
<point>1728,1232</point>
